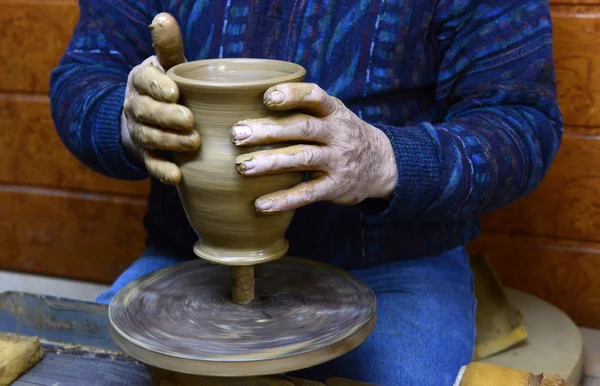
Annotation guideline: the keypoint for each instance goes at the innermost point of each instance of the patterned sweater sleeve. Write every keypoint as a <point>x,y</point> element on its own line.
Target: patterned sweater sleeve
<point>503,125</point>
<point>87,88</point>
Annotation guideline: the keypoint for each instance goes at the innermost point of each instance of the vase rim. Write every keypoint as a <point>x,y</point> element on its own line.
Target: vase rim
<point>296,73</point>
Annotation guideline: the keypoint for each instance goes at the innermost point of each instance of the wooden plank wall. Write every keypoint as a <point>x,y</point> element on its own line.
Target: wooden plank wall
<point>56,216</point>
<point>59,218</point>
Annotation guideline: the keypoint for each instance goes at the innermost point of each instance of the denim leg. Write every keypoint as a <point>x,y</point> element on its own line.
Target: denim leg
<point>425,329</point>
<point>151,260</point>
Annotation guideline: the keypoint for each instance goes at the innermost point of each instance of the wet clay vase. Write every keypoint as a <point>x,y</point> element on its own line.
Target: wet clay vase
<point>218,201</point>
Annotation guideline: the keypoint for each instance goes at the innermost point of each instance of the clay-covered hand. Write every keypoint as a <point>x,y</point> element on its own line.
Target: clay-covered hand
<point>349,159</point>
<point>152,122</point>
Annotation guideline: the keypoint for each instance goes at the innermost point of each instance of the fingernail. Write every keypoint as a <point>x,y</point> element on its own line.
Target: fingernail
<point>264,204</point>
<point>239,133</point>
<point>191,142</point>
<point>276,96</point>
<point>247,165</point>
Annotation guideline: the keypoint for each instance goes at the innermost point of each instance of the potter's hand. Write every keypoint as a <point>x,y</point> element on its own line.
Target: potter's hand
<point>350,160</point>
<point>152,121</point>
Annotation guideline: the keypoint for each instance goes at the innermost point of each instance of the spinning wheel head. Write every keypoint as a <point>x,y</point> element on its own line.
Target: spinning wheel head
<point>182,318</point>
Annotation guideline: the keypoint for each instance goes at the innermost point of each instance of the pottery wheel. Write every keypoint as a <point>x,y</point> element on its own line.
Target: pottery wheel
<point>181,318</point>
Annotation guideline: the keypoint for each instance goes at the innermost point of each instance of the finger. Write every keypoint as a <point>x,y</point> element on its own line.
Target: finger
<point>148,79</point>
<point>295,127</point>
<point>146,110</point>
<point>150,138</point>
<point>286,159</point>
<point>161,169</point>
<point>167,40</point>
<point>300,195</point>
<point>308,97</point>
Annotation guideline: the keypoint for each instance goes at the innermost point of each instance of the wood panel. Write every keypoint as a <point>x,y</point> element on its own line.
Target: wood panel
<point>565,273</point>
<point>567,202</point>
<point>574,2</point>
<point>33,154</point>
<point>577,58</point>
<point>84,236</point>
<point>33,37</point>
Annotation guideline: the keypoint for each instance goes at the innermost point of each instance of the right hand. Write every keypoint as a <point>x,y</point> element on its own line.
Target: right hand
<point>152,122</point>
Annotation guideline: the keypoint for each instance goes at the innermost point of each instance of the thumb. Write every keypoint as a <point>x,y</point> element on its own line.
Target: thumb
<point>167,40</point>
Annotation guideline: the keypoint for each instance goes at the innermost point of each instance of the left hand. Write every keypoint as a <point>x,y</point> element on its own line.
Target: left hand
<point>350,160</point>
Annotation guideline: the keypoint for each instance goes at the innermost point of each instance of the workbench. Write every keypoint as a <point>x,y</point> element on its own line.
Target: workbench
<point>74,334</point>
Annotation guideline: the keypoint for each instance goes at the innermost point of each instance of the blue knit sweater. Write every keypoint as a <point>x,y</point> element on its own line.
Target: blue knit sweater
<point>464,89</point>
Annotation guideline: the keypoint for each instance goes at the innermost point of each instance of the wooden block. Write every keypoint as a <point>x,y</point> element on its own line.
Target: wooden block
<point>34,36</point>
<point>590,381</point>
<point>591,352</point>
<point>303,382</point>
<point>83,236</point>
<point>344,382</point>
<point>162,377</point>
<point>565,273</point>
<point>577,58</point>
<point>567,202</point>
<point>17,355</point>
<point>33,154</point>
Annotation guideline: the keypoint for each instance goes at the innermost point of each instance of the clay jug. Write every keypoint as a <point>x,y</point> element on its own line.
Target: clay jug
<point>218,201</point>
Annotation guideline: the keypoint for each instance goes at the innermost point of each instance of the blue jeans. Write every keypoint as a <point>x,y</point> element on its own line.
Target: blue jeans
<point>425,327</point>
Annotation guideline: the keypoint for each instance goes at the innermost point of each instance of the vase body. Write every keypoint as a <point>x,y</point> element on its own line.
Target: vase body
<point>220,202</point>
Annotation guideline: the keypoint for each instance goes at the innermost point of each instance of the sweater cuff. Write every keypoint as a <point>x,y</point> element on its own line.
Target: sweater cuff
<point>107,138</point>
<point>418,164</point>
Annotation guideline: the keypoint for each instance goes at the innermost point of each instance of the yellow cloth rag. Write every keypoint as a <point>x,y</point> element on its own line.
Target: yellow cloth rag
<point>17,355</point>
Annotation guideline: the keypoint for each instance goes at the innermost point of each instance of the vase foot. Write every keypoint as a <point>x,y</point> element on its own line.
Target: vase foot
<point>239,257</point>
